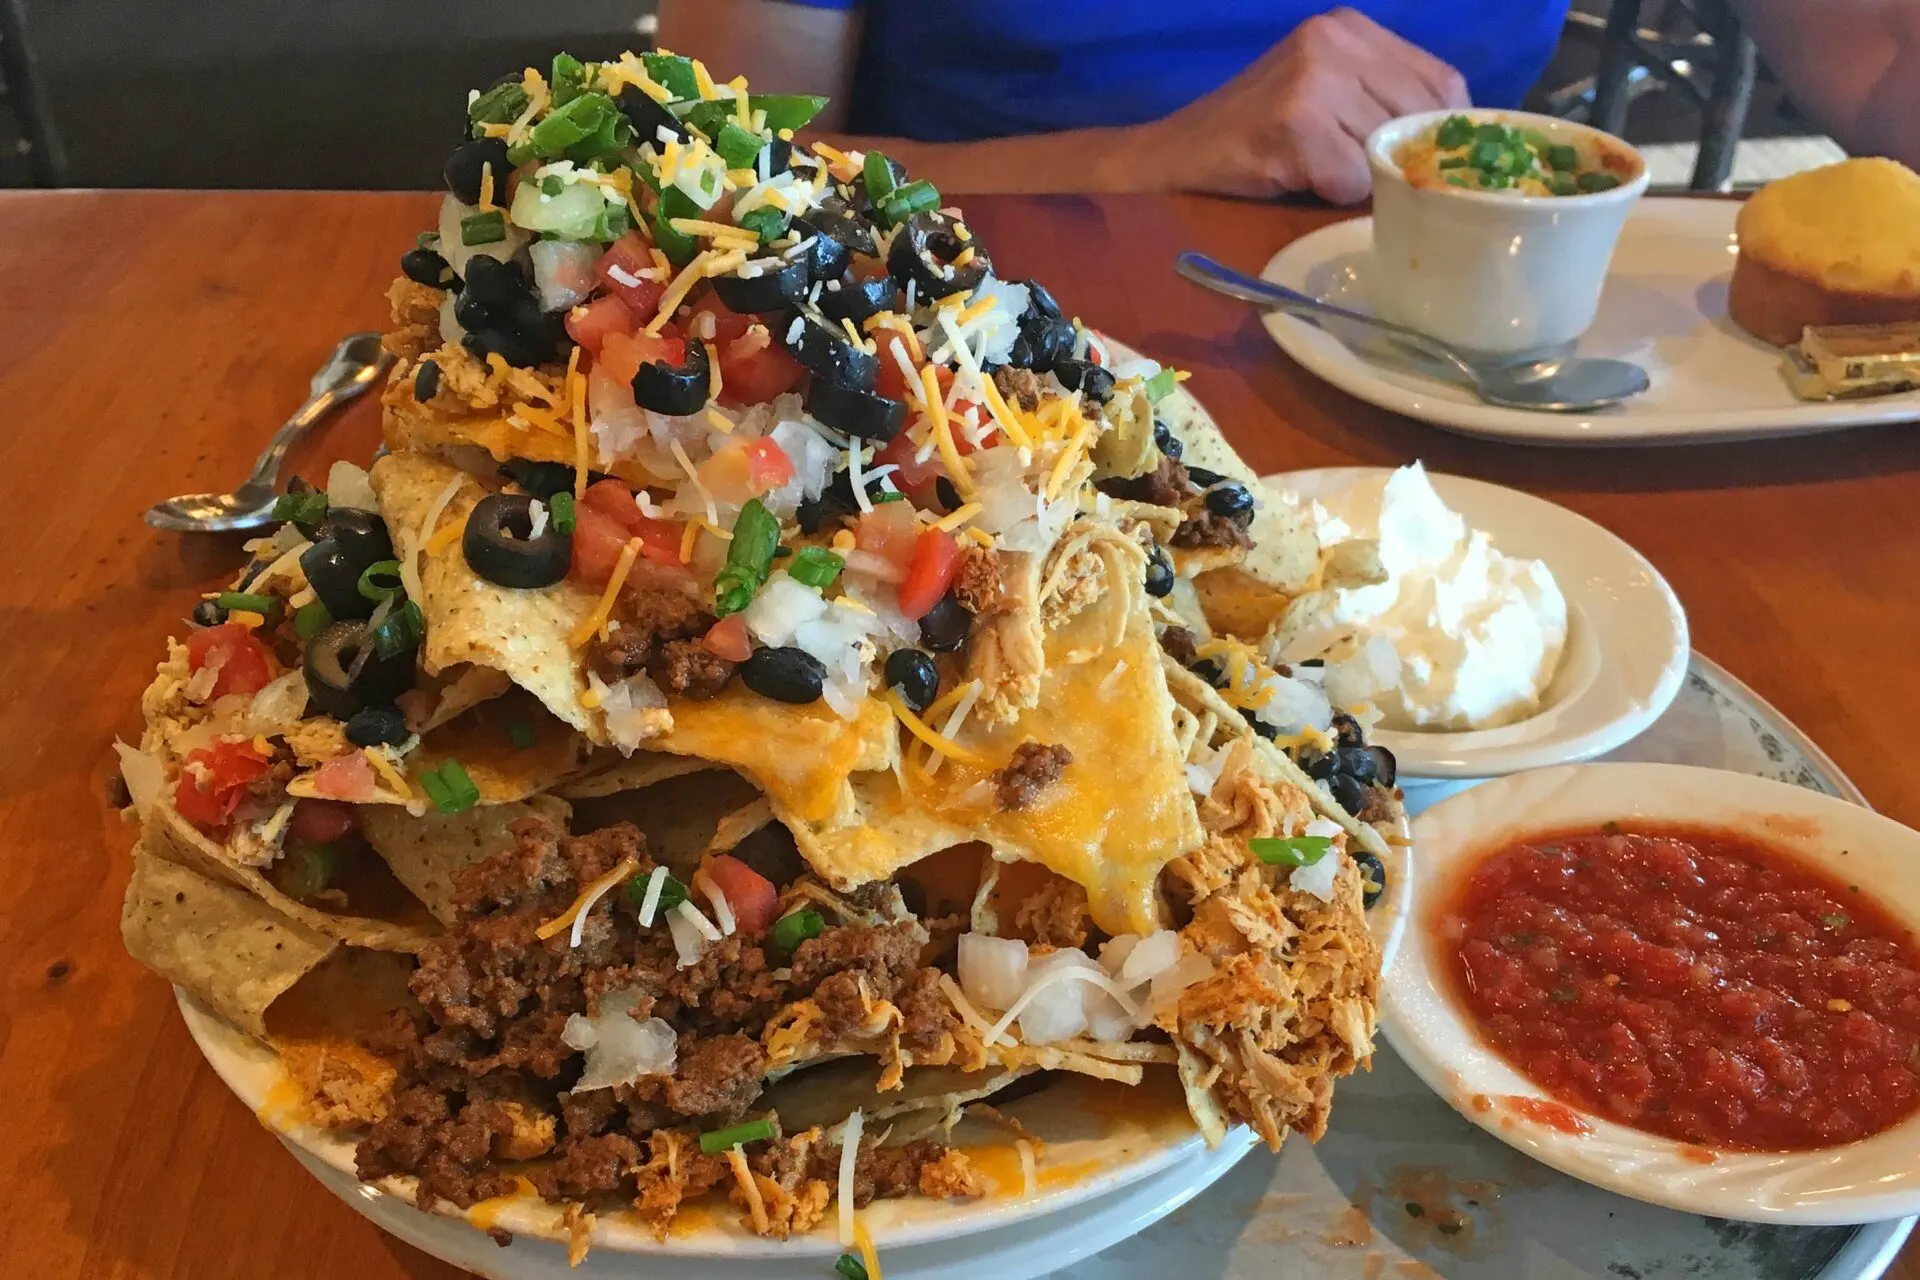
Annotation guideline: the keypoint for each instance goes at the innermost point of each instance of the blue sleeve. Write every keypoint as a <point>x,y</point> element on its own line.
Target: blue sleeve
<point>825,4</point>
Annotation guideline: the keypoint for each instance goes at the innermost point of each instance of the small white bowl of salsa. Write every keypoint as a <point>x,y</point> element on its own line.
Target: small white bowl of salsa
<point>1695,988</point>
<point>1493,230</point>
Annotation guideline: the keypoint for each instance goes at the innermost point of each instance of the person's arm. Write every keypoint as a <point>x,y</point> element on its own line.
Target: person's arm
<point>1293,121</point>
<point>1854,65</point>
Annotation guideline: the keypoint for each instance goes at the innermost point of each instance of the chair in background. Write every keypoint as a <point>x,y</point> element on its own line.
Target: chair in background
<point>1693,49</point>
<point>30,150</point>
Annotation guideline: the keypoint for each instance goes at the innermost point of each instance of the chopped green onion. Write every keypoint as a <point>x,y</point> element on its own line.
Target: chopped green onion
<point>714,1142</point>
<point>501,104</point>
<point>568,78</point>
<point>427,240</point>
<point>891,495</point>
<point>749,558</point>
<point>784,111</point>
<point>679,247</point>
<point>449,787</point>
<point>552,185</point>
<point>1562,156</point>
<point>308,870</point>
<point>738,147</point>
<point>766,222</point>
<point>310,619</point>
<point>1454,131</point>
<point>918,196</point>
<point>795,928</point>
<point>1161,385</point>
<point>816,566</point>
<point>560,512</point>
<point>520,734</point>
<point>483,228</point>
<point>381,580</point>
<point>583,117</point>
<point>1592,182</point>
<point>878,172</point>
<point>1294,851</point>
<point>401,631</point>
<point>674,74</point>
<point>303,509</point>
<point>850,1267</point>
<point>251,602</point>
<point>672,892</point>
<point>1562,184</point>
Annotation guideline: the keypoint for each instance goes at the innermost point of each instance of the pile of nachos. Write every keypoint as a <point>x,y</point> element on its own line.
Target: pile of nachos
<point>780,680</point>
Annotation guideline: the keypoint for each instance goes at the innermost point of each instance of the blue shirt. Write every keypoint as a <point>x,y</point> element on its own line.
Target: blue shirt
<point>959,70</point>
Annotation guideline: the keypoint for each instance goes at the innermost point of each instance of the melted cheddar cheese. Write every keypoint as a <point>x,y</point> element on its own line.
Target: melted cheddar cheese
<point>801,757</point>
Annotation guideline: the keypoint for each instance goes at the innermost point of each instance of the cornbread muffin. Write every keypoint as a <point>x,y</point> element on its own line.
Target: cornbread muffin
<point>1834,245</point>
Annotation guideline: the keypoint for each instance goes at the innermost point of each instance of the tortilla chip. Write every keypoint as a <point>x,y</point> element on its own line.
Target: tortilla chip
<point>680,816</point>
<point>1117,814</point>
<point>319,1026</point>
<point>829,1092</point>
<point>405,924</point>
<point>608,772</point>
<point>410,427</point>
<point>1286,550</point>
<point>468,619</point>
<point>442,697</point>
<point>425,853</point>
<point>1238,603</point>
<point>224,945</point>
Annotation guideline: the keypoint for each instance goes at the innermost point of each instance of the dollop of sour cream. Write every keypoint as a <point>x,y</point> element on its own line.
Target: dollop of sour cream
<point>1458,636</point>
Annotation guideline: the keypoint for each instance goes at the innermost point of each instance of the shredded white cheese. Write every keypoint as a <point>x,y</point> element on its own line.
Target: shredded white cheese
<point>651,902</point>
<point>722,909</point>
<point>1062,973</point>
<point>849,1156</point>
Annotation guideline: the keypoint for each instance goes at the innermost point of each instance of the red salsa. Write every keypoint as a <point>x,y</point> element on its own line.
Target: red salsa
<point>1691,982</point>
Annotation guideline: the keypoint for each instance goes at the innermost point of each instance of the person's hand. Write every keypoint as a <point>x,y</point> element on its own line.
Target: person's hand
<point>1298,119</point>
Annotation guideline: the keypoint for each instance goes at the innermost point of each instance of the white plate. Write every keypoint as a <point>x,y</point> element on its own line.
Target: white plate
<point>1627,645</point>
<point>1867,1181</point>
<point>1665,307</point>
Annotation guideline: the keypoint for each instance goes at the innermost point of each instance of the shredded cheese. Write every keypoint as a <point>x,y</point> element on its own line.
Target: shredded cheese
<point>868,1254</point>
<point>1029,1180</point>
<point>656,882</point>
<point>246,618</point>
<point>957,517</point>
<point>577,387</point>
<point>703,926</point>
<point>737,1160</point>
<point>701,227</point>
<point>688,535</point>
<point>964,699</point>
<point>849,1157</point>
<point>717,420</point>
<point>690,275</point>
<point>586,898</point>
<point>445,536</point>
<point>486,188</point>
<point>703,81</point>
<point>1065,462</point>
<point>409,569</point>
<point>722,909</point>
<point>1003,414</point>
<point>686,465</point>
<point>597,620</point>
<point>921,730</point>
<point>714,379</point>
<point>1059,974</point>
<point>388,773</point>
<point>980,536</point>
<point>950,458</point>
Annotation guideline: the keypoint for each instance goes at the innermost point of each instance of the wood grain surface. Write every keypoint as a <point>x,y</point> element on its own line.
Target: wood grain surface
<point>148,344</point>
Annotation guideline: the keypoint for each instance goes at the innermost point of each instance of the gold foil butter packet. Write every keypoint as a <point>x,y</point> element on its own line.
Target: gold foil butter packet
<point>1853,361</point>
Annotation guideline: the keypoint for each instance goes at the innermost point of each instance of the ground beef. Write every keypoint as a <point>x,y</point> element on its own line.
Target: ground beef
<point>976,580</point>
<point>650,618</point>
<point>1181,645</point>
<point>1022,387</point>
<point>718,1076</point>
<point>1167,485</point>
<point>448,1150</point>
<point>920,1167</point>
<point>885,955</point>
<point>687,669</point>
<point>584,1167</point>
<point>926,1015</point>
<point>1204,528</point>
<point>1035,767</point>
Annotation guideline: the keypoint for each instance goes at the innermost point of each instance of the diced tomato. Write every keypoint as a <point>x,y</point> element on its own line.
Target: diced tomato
<point>245,664</point>
<point>890,532</point>
<point>935,558</point>
<point>728,638</point>
<point>622,354</point>
<point>321,821</point>
<point>753,369</point>
<point>745,469</point>
<point>625,260</point>
<point>348,778</point>
<point>592,322</point>
<point>603,523</point>
<point>728,324</point>
<point>750,894</point>
<point>213,781</point>
<point>914,478</point>
<point>767,463</point>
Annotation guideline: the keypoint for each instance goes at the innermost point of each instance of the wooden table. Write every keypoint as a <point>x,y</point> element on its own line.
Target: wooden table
<point>149,342</point>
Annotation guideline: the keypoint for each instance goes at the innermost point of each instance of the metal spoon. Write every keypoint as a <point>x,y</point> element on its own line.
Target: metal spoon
<point>1558,384</point>
<point>355,365</point>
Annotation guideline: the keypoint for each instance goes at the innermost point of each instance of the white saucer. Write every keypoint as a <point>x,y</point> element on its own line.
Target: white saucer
<point>1627,644</point>
<point>1866,1181</point>
<point>1665,308</point>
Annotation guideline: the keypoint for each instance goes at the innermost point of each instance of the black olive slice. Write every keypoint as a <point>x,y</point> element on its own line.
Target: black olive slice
<point>837,236</point>
<point>1159,572</point>
<point>945,626</point>
<point>825,350</point>
<point>648,117</point>
<point>1041,343</point>
<point>922,255</point>
<point>1086,377</point>
<point>855,412</point>
<point>912,672</point>
<point>1373,879</point>
<point>499,546</point>
<point>331,685</point>
<point>469,162</point>
<point>362,533</point>
<point>424,266</point>
<point>675,392</point>
<point>855,300</point>
<point>334,575</point>
<point>1040,302</point>
<point>541,479</point>
<point>778,283</point>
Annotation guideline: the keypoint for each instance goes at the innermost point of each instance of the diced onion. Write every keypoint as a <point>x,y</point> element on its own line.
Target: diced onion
<point>688,943</point>
<point>1155,954</point>
<point>563,269</point>
<point>348,486</point>
<point>620,1049</point>
<point>279,703</point>
<point>993,971</point>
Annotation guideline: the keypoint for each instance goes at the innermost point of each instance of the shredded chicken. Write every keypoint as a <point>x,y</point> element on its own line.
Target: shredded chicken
<point>415,308</point>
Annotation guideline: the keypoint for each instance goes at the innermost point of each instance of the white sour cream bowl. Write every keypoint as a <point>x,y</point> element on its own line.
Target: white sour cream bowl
<point>1493,271</point>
